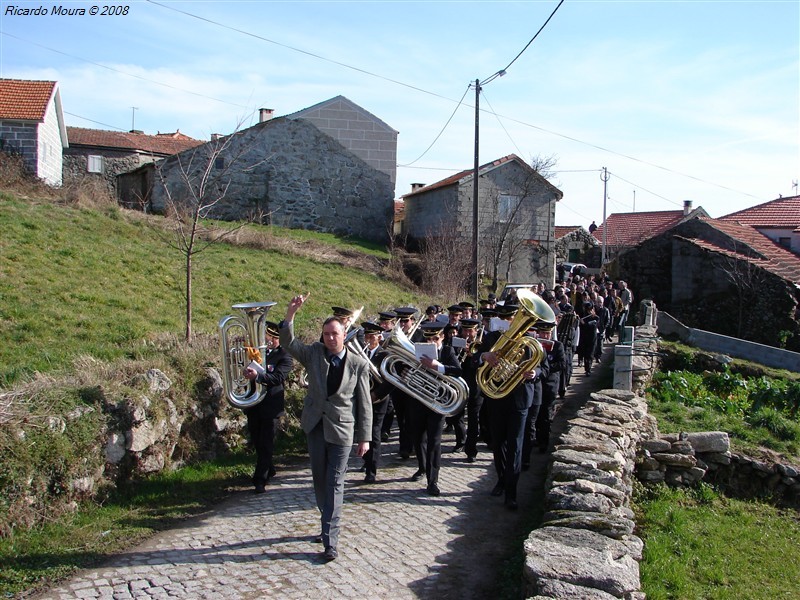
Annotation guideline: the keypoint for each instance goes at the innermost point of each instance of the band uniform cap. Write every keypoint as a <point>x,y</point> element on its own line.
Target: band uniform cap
<point>272,329</point>
<point>455,309</point>
<point>506,310</point>
<point>371,327</point>
<point>405,312</point>
<point>567,308</point>
<point>388,315</point>
<point>431,310</point>
<point>488,313</point>
<point>466,304</point>
<point>431,328</point>
<point>469,323</point>
<point>341,312</point>
<point>544,325</point>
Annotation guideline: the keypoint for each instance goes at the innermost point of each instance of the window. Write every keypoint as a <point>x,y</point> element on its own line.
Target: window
<point>219,163</point>
<point>94,163</point>
<point>506,205</point>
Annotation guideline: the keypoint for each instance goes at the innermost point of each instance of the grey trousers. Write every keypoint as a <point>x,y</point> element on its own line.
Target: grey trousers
<point>328,470</point>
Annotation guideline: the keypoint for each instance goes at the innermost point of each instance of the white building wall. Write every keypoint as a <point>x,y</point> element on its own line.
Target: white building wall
<point>49,149</point>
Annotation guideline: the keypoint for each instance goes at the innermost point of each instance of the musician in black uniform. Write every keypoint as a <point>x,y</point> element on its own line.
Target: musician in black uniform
<point>263,418</point>
<point>387,321</point>
<point>556,362</point>
<point>428,424</point>
<point>469,331</point>
<point>567,334</point>
<point>507,416</point>
<point>379,391</point>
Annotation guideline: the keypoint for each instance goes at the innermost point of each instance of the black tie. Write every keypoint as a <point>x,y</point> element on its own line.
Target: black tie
<point>334,374</point>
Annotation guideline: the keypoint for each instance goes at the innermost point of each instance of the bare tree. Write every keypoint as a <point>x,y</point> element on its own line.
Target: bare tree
<point>747,279</point>
<point>446,264</point>
<point>200,182</point>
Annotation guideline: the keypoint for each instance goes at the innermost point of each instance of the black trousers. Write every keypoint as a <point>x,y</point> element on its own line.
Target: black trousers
<point>426,427</point>
<point>474,405</point>
<point>262,435</point>
<point>373,455</point>
<point>508,430</point>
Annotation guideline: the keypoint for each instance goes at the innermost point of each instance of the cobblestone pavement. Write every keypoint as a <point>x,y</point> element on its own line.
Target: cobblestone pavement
<point>396,541</point>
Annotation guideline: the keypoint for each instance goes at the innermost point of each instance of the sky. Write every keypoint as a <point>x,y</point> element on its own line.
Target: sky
<point>677,100</point>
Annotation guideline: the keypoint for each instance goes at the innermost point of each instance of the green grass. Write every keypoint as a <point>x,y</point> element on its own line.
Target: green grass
<point>101,282</point>
<point>699,544</point>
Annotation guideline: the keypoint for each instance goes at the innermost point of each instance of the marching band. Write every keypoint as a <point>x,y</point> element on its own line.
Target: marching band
<point>491,373</point>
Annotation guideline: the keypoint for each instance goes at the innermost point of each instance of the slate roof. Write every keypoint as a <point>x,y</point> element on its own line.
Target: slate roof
<point>468,173</point>
<point>162,144</point>
<point>25,100</point>
<point>783,213</point>
<point>769,255</point>
<point>630,229</point>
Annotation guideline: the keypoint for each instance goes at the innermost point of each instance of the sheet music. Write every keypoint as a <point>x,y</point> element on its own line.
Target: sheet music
<point>498,324</point>
<point>428,350</point>
<point>458,342</point>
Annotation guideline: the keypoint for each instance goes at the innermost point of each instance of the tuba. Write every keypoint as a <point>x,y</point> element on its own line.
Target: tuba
<point>499,380</point>
<point>238,332</point>
<point>442,394</point>
<point>353,346</point>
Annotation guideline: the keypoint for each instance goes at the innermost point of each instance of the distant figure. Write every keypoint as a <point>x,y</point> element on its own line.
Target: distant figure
<point>592,227</point>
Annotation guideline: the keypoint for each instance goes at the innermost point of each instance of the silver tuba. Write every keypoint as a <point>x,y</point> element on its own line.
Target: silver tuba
<point>441,393</point>
<point>246,329</point>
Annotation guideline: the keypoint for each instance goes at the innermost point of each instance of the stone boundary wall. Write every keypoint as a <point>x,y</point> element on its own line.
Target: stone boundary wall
<point>585,547</point>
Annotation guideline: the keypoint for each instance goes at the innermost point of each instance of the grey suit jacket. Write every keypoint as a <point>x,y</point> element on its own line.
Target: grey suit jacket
<point>346,415</point>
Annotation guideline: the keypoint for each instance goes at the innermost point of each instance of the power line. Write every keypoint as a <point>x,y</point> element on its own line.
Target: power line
<point>93,121</point>
<point>533,38</point>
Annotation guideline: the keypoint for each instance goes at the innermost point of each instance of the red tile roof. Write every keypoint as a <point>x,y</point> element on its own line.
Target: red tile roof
<point>562,230</point>
<point>462,174</point>
<point>781,213</point>
<point>770,256</point>
<point>25,100</point>
<point>631,229</point>
<point>163,144</point>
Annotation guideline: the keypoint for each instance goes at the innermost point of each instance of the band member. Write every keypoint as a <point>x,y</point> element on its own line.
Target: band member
<point>469,331</point>
<point>454,314</point>
<point>428,424</point>
<point>380,398</point>
<point>337,410</point>
<point>468,308</point>
<point>556,363</point>
<point>405,318</point>
<point>507,416</point>
<point>567,334</point>
<point>346,317</point>
<point>399,401</point>
<point>262,419</point>
<point>387,321</point>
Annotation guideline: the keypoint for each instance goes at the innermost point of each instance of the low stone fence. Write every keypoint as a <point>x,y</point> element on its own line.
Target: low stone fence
<point>586,547</point>
<point>687,458</point>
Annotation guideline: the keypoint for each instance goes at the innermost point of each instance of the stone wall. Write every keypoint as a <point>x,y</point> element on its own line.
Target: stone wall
<point>18,137</point>
<point>586,547</point>
<point>285,172</point>
<point>115,162</point>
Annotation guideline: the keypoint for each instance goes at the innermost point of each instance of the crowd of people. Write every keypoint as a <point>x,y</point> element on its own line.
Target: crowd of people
<point>444,353</point>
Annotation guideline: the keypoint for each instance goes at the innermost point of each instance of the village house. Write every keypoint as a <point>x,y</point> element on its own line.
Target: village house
<point>574,244</point>
<point>103,154</point>
<point>516,218</point>
<point>328,168</point>
<point>778,219</point>
<point>32,126</point>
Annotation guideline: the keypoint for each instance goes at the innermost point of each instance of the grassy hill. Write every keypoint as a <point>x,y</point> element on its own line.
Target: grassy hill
<point>103,281</point>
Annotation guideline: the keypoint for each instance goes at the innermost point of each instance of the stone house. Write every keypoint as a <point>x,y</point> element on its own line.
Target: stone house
<point>720,276</point>
<point>516,218</point>
<point>574,244</point>
<point>32,125</point>
<point>102,154</point>
<point>779,220</point>
<point>326,168</point>
<point>622,232</point>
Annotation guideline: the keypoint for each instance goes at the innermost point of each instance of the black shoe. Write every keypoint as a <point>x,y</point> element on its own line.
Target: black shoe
<point>458,448</point>
<point>318,539</point>
<point>384,437</point>
<point>511,504</point>
<point>370,478</point>
<point>270,473</point>
<point>417,476</point>
<point>433,490</point>
<point>404,455</point>
<point>260,489</point>
<point>498,489</point>
<point>330,554</point>
<point>470,459</point>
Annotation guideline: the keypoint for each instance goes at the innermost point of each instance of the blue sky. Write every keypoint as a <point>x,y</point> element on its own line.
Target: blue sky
<point>695,100</point>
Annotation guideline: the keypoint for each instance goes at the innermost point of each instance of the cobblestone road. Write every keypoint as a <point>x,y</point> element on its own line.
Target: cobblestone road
<point>396,541</point>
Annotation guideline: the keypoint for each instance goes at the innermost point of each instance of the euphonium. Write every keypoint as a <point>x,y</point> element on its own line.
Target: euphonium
<point>499,380</point>
<point>238,332</point>
<point>441,393</point>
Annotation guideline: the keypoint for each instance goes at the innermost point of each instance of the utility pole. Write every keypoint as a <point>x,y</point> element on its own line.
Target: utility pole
<point>604,177</point>
<point>476,284</point>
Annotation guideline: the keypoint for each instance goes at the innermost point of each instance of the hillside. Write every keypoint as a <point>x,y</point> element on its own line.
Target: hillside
<point>103,281</point>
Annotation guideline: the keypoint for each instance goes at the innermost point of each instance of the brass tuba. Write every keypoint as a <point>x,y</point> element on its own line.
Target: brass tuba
<point>499,380</point>
<point>247,329</point>
<point>441,393</point>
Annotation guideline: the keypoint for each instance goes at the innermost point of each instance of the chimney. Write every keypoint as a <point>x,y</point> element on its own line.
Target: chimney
<point>215,137</point>
<point>687,207</point>
<point>416,186</point>
<point>264,114</point>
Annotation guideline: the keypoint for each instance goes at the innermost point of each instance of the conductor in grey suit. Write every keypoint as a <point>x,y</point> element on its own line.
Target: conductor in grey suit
<point>336,411</point>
